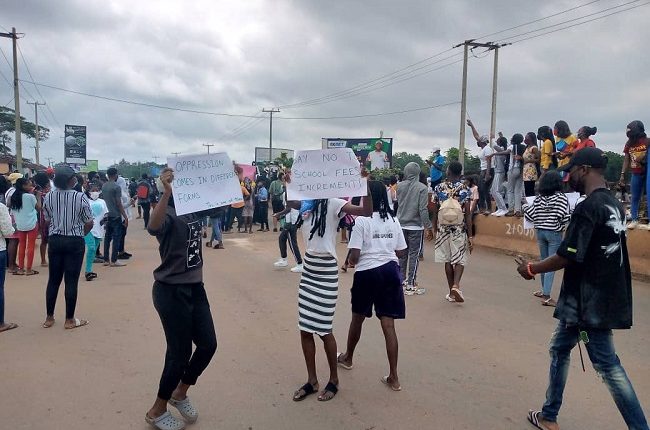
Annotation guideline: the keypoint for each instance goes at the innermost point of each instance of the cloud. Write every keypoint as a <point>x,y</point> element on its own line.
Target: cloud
<point>240,57</point>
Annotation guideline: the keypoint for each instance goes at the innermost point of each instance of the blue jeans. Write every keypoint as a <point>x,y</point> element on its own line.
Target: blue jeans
<point>636,188</point>
<point>216,229</point>
<point>3,271</point>
<point>548,241</point>
<point>605,361</point>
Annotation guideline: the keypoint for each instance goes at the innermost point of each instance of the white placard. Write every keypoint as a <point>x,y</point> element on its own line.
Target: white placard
<point>326,173</point>
<point>573,201</point>
<point>203,182</point>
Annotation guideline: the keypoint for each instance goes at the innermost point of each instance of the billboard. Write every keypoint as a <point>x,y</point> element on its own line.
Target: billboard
<point>91,166</point>
<point>262,154</point>
<point>364,149</point>
<point>74,144</point>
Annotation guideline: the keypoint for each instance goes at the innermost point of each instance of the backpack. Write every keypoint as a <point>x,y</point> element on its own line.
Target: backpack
<point>451,212</point>
<point>143,191</point>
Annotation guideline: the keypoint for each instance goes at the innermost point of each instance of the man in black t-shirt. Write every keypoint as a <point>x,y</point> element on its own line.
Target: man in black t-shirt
<point>596,294</point>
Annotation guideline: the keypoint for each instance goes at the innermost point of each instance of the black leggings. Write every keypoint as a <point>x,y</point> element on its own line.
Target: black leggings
<point>289,234</point>
<point>264,214</point>
<point>66,254</point>
<point>185,315</point>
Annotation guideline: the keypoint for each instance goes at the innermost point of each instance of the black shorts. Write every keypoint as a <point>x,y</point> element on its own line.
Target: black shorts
<point>381,287</point>
<point>277,206</point>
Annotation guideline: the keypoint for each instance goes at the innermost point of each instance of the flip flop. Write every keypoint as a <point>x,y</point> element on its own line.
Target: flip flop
<point>534,418</point>
<point>538,294</point>
<point>342,364</point>
<point>331,388</point>
<point>307,389</point>
<point>48,323</point>
<point>31,272</point>
<point>384,380</point>
<point>9,326</point>
<point>549,302</point>
<point>165,422</point>
<point>78,323</point>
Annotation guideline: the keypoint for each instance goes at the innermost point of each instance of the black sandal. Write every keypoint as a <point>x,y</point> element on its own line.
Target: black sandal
<point>307,390</point>
<point>329,388</point>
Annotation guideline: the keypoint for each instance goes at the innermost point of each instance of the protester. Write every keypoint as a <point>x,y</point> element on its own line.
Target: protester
<point>375,244</point>
<point>437,167</point>
<point>6,229</point>
<point>143,192</point>
<point>471,182</point>
<point>25,207</point>
<point>216,217</point>
<point>413,216</point>
<point>531,159</point>
<point>127,203</point>
<point>117,219</point>
<point>236,209</point>
<point>636,160</point>
<point>318,289</point>
<point>288,234</point>
<point>584,138</point>
<point>263,205</point>
<point>94,237</point>
<point>487,170</point>
<point>564,142</point>
<point>346,225</point>
<point>596,294</point>
<point>249,207</point>
<point>12,240</point>
<point>182,304</point>
<point>393,193</point>
<point>515,180</point>
<point>452,221</point>
<point>42,185</point>
<point>378,159</point>
<point>499,157</point>
<point>548,159</point>
<point>550,214</point>
<point>70,219</point>
<point>276,191</point>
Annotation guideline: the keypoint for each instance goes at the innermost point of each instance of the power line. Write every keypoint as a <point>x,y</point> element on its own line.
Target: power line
<point>29,72</point>
<point>370,115</point>
<point>539,19</point>
<point>572,21</point>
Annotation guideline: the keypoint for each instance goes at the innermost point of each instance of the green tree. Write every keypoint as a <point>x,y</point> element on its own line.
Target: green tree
<point>135,170</point>
<point>401,159</point>
<point>472,163</point>
<point>614,166</point>
<point>8,126</point>
<point>283,161</point>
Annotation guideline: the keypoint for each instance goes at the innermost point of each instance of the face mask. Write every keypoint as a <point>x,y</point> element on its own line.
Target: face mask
<point>94,195</point>
<point>629,133</point>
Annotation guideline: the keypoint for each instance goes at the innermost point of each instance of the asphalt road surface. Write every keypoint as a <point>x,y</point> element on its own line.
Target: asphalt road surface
<point>482,364</point>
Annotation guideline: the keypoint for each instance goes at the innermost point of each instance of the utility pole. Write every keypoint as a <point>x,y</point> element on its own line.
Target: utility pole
<point>49,161</point>
<point>463,103</point>
<point>176,153</point>
<point>155,159</point>
<point>271,112</point>
<point>208,145</point>
<point>36,136</point>
<point>19,144</point>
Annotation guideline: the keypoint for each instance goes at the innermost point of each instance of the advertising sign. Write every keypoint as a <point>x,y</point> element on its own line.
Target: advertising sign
<point>262,154</point>
<point>91,166</point>
<point>365,150</point>
<point>74,145</point>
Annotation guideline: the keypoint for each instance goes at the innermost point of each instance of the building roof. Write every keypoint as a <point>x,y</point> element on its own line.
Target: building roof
<point>11,160</point>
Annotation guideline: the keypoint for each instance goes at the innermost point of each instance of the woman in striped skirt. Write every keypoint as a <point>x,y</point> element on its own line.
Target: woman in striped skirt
<point>318,289</point>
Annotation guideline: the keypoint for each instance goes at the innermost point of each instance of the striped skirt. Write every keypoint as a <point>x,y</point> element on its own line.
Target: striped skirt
<point>317,294</point>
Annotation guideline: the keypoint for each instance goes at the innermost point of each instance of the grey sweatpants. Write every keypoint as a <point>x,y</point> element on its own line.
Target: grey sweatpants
<point>414,242</point>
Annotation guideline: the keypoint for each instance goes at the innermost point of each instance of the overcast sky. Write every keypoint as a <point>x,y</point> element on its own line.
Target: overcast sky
<point>241,56</point>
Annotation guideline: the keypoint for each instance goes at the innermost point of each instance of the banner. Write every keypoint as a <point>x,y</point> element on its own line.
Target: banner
<point>203,182</point>
<point>326,173</point>
<point>249,171</point>
<point>74,146</point>
<point>91,166</point>
<point>262,154</point>
<point>363,148</point>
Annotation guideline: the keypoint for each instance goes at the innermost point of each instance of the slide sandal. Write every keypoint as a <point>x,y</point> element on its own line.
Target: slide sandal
<point>306,389</point>
<point>8,326</point>
<point>77,323</point>
<point>329,388</point>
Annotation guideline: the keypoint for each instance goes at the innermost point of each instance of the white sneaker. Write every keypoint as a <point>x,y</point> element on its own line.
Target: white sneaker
<point>449,298</point>
<point>632,225</point>
<point>282,262</point>
<point>420,291</point>
<point>496,213</point>
<point>297,268</point>
<point>409,290</point>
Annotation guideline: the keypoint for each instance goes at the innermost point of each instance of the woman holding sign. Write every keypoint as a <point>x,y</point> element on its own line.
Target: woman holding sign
<point>318,289</point>
<point>182,304</point>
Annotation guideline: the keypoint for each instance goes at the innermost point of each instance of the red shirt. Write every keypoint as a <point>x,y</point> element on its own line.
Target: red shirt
<point>584,143</point>
<point>637,152</point>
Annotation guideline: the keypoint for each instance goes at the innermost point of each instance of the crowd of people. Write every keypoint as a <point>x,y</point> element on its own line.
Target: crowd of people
<point>385,231</point>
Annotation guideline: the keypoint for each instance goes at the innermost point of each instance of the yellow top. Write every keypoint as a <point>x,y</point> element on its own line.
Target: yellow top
<point>547,154</point>
<point>570,143</point>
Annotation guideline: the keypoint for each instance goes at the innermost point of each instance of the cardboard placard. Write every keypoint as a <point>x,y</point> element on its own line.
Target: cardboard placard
<point>203,182</point>
<point>326,173</point>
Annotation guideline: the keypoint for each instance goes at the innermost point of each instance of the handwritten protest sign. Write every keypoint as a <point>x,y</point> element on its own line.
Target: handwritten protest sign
<point>325,173</point>
<point>573,201</point>
<point>203,182</point>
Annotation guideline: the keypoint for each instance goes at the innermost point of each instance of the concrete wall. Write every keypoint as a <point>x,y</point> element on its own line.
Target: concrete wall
<point>509,236</point>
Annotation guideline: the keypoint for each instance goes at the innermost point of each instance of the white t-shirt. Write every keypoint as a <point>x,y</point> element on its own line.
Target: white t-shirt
<point>292,217</point>
<point>99,209</point>
<point>485,152</point>
<point>377,160</point>
<point>326,244</point>
<point>377,239</point>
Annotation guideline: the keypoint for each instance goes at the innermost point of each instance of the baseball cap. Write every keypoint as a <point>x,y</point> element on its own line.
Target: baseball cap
<point>590,157</point>
<point>435,149</point>
<point>14,177</point>
<point>484,139</point>
<point>64,171</point>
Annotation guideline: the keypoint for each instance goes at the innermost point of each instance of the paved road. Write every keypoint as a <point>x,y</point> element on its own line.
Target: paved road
<point>477,365</point>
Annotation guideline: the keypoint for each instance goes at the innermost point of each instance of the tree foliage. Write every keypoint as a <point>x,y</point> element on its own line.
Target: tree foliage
<point>614,166</point>
<point>401,159</point>
<point>135,170</point>
<point>472,163</point>
<point>8,127</point>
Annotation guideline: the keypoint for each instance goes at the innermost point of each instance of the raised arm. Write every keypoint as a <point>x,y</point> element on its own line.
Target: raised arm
<point>158,214</point>
<point>474,132</point>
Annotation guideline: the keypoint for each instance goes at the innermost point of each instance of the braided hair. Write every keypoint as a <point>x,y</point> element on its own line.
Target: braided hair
<point>318,218</point>
<point>380,200</point>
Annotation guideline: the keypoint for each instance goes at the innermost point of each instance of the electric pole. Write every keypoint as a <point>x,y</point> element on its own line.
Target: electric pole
<point>271,112</point>
<point>19,144</point>
<point>176,153</point>
<point>463,103</point>
<point>208,145</point>
<point>49,161</point>
<point>36,136</point>
<point>155,159</point>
